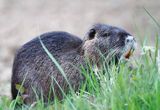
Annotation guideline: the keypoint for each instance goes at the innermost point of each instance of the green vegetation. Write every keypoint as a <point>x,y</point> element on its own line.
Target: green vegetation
<point>117,89</point>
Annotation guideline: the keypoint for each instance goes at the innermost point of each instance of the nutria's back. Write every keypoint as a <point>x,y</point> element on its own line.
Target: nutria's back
<point>32,60</point>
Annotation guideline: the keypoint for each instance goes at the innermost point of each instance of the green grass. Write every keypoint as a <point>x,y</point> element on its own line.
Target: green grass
<point>119,88</point>
<point>111,88</point>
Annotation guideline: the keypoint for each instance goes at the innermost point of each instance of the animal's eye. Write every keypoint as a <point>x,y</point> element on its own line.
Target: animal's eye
<point>107,34</point>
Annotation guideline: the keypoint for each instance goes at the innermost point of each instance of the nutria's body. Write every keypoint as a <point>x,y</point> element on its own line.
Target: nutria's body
<point>33,66</point>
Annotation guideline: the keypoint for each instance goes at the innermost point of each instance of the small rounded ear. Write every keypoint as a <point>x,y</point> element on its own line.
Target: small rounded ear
<point>91,34</point>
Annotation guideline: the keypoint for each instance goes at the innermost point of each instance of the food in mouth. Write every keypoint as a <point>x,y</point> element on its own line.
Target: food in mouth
<point>129,53</point>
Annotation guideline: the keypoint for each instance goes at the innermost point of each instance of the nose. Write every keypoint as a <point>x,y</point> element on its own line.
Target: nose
<point>130,39</point>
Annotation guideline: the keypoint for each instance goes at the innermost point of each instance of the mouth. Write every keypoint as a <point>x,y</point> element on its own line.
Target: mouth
<point>130,45</point>
<point>129,53</point>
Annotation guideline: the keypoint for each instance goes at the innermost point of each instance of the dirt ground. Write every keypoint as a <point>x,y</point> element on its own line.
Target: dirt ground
<point>22,20</point>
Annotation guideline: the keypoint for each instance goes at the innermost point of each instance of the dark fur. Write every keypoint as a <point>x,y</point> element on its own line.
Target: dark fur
<point>68,50</point>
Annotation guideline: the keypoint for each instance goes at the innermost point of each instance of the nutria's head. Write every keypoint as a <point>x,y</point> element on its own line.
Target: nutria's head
<point>109,41</point>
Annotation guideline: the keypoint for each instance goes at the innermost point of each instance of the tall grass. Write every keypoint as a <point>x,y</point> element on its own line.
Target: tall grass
<point>137,89</point>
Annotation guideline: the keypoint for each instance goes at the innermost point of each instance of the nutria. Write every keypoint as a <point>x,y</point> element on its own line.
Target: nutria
<point>36,70</point>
